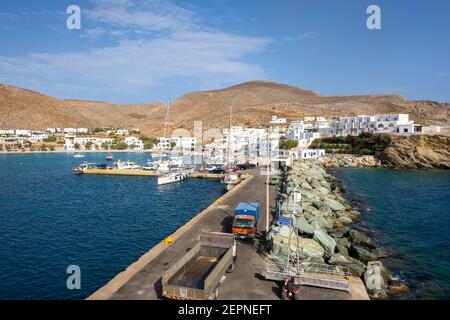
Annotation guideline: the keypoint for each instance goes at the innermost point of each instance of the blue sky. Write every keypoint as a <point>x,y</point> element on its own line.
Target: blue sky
<point>149,50</point>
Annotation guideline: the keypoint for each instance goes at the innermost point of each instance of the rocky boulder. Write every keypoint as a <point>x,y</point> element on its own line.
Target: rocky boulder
<point>304,227</point>
<point>362,254</point>
<point>358,238</point>
<point>356,267</point>
<point>377,278</point>
<point>325,241</point>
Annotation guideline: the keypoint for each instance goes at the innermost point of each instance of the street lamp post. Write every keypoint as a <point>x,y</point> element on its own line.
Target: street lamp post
<point>267,182</point>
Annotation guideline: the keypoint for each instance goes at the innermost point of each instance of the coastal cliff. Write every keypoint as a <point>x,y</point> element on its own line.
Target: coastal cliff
<point>417,152</point>
<point>401,152</point>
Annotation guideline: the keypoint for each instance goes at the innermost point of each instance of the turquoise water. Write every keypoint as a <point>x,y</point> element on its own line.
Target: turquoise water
<point>51,218</point>
<point>407,212</point>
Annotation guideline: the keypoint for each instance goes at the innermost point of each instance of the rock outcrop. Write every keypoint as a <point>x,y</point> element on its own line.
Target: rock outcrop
<point>349,161</point>
<point>417,152</point>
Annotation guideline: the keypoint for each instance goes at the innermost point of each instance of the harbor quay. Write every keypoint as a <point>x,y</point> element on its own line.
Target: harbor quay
<point>142,280</point>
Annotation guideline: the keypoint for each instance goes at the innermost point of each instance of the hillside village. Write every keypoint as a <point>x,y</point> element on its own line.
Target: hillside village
<point>296,139</point>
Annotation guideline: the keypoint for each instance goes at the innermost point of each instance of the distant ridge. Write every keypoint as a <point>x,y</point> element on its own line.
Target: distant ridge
<point>253,104</point>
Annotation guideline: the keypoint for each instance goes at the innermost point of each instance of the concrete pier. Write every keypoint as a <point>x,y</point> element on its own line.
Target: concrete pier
<point>142,279</point>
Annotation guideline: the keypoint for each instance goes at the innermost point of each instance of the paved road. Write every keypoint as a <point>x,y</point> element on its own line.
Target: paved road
<point>146,284</point>
<point>244,283</point>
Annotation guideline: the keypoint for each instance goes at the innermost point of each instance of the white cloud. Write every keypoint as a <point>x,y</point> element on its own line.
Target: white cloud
<point>304,36</point>
<point>94,33</point>
<point>178,48</point>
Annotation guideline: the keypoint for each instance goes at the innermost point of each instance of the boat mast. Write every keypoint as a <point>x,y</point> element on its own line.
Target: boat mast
<point>229,141</point>
<point>165,127</point>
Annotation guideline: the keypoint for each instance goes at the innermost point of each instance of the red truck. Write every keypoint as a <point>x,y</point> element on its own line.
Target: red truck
<point>245,221</point>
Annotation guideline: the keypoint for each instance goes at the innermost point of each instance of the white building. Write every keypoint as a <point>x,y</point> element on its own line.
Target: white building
<point>38,136</point>
<point>7,132</point>
<point>245,144</point>
<point>305,133</point>
<point>314,119</point>
<point>308,153</point>
<point>70,130</point>
<point>138,144</point>
<point>384,123</point>
<point>276,120</point>
<point>71,140</point>
<point>82,130</point>
<point>185,143</point>
<point>122,132</point>
<point>26,133</point>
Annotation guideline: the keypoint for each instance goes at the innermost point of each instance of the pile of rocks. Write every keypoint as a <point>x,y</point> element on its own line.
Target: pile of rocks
<point>323,218</point>
<point>341,160</point>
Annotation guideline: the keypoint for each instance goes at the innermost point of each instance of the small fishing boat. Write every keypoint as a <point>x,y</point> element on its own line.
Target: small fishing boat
<point>82,167</point>
<point>161,166</point>
<point>171,177</point>
<point>127,165</point>
<point>231,180</point>
<point>77,155</point>
<point>109,157</point>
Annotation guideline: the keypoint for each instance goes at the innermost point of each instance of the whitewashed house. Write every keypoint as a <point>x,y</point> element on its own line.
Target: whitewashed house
<point>308,153</point>
<point>122,132</point>
<point>38,136</point>
<point>184,143</point>
<point>70,130</point>
<point>383,123</point>
<point>7,132</point>
<point>276,120</point>
<point>138,144</point>
<point>23,133</point>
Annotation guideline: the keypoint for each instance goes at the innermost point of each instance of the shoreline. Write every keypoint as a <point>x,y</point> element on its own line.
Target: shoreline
<point>72,152</point>
<point>397,285</point>
<point>328,228</point>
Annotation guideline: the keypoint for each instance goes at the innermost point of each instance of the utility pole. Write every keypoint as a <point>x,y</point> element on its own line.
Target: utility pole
<point>267,182</point>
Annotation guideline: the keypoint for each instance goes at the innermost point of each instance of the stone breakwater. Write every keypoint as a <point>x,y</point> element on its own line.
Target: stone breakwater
<point>349,161</point>
<point>325,235</point>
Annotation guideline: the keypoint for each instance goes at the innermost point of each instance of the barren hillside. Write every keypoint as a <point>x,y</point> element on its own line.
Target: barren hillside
<point>253,103</point>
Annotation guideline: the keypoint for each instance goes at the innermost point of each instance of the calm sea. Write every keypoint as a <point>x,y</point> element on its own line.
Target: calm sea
<point>408,213</point>
<point>51,218</point>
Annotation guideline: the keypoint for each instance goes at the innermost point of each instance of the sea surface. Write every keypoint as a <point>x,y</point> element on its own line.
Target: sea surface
<point>407,212</point>
<point>51,218</point>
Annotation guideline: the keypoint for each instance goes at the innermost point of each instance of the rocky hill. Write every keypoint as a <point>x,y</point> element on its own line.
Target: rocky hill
<point>417,151</point>
<point>253,104</point>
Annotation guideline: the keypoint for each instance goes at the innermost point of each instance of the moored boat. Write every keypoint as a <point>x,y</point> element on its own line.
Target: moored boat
<point>77,155</point>
<point>109,157</point>
<point>127,165</point>
<point>171,178</point>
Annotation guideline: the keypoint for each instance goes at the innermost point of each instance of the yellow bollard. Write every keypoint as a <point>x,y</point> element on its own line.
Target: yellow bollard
<point>218,201</point>
<point>168,240</point>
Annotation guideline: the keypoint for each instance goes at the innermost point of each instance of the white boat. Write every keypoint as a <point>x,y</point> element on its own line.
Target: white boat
<point>127,165</point>
<point>176,162</point>
<point>231,180</point>
<point>161,166</point>
<point>171,178</point>
<point>77,155</point>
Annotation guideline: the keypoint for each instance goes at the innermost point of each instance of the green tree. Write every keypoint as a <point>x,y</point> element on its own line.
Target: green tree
<point>77,146</point>
<point>173,144</point>
<point>43,147</point>
<point>105,145</point>
<point>88,145</point>
<point>288,144</point>
<point>121,146</point>
<point>49,139</point>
